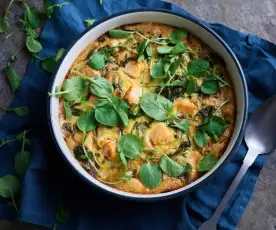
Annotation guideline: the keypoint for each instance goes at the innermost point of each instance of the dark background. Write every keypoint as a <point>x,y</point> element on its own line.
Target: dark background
<point>249,16</point>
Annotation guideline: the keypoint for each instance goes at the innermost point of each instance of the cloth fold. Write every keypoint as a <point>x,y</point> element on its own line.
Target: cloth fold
<point>47,174</point>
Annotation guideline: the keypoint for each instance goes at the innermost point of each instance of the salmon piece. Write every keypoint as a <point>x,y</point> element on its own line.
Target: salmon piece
<point>158,134</point>
<point>110,149</point>
<point>134,95</point>
<point>184,107</point>
<point>134,68</point>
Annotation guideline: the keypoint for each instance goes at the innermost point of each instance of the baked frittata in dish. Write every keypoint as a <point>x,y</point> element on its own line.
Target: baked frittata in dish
<point>147,108</point>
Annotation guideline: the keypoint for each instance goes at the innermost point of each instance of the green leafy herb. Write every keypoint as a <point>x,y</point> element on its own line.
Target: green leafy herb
<point>97,61</point>
<point>62,214</point>
<point>170,167</point>
<point>149,51</point>
<point>174,66</point>
<point>209,86</point>
<point>179,48</point>
<point>198,68</point>
<point>157,107</point>
<point>214,125</point>
<point>86,122</point>
<point>19,111</point>
<point>67,109</point>
<point>164,49</point>
<point>177,36</point>
<point>119,33</point>
<point>9,187</point>
<point>50,63</point>
<point>33,17</point>
<point>125,177</point>
<point>191,87</point>
<point>49,8</point>
<point>89,22</point>
<point>183,125</point>
<point>207,163</point>
<point>141,49</point>
<point>13,77</point>
<point>101,1</point>
<point>4,23</point>
<point>123,116</point>
<point>158,70</point>
<point>74,88</point>
<point>101,87</point>
<point>172,83</point>
<point>107,116</point>
<point>21,162</point>
<point>201,138</point>
<point>33,45</point>
<point>123,158</point>
<point>150,175</point>
<point>130,145</point>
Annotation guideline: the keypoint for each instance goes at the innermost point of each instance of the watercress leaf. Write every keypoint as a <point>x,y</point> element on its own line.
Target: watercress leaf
<point>21,162</point>
<point>150,175</point>
<point>49,8</point>
<point>75,87</point>
<point>141,49</point>
<point>149,50</point>
<point>107,116</point>
<point>123,158</point>
<point>89,22</point>
<point>215,125</point>
<point>198,68</point>
<point>13,77</point>
<point>49,64</point>
<point>60,54</point>
<point>13,58</point>
<point>33,17</point>
<point>62,214</point>
<point>4,24</point>
<point>170,167</point>
<point>209,86</point>
<point>191,87</point>
<point>97,61</point>
<point>164,49</point>
<point>67,109</point>
<point>33,45</point>
<point>158,70</point>
<point>177,36</point>
<point>183,125</point>
<point>87,122</point>
<point>9,186</point>
<point>57,91</point>
<point>120,104</point>
<point>123,116</point>
<point>20,111</point>
<point>125,177</point>
<point>207,163</point>
<point>179,48</point>
<point>130,145</point>
<point>101,87</point>
<point>119,33</point>
<point>174,66</point>
<point>172,83</point>
<point>201,138</point>
<point>30,31</point>
<point>157,107</point>
<point>101,1</point>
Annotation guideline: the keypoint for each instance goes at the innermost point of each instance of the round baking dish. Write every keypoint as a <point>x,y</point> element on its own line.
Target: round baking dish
<point>166,17</point>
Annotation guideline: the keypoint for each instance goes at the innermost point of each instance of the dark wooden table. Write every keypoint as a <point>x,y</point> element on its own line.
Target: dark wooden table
<point>250,16</point>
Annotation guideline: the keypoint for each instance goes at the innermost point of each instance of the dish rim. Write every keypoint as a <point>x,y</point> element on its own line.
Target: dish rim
<point>167,195</point>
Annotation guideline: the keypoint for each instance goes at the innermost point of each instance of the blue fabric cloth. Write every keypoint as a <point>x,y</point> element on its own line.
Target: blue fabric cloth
<point>89,208</point>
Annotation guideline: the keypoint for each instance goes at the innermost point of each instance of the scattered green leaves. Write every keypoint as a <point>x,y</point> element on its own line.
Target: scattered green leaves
<point>198,68</point>
<point>207,162</point>
<point>130,146</point>
<point>201,138</point>
<point>164,49</point>
<point>150,175</point>
<point>4,24</point>
<point>191,87</point>
<point>141,49</point>
<point>158,70</point>
<point>19,111</point>
<point>21,162</point>
<point>119,33</point>
<point>50,63</point>
<point>62,214</point>
<point>9,186</point>
<point>89,22</point>
<point>13,77</point>
<point>87,122</point>
<point>49,8</point>
<point>33,45</point>
<point>178,36</point>
<point>179,48</point>
<point>107,116</point>
<point>74,88</point>
<point>209,86</point>
<point>170,167</point>
<point>157,107</point>
<point>67,109</point>
<point>97,61</point>
<point>101,87</point>
<point>183,125</point>
<point>33,17</point>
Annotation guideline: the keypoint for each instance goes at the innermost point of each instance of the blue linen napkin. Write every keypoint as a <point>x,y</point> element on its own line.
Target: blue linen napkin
<point>47,175</point>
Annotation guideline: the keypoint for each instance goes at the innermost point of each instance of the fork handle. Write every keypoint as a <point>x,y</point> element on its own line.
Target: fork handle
<point>247,162</point>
